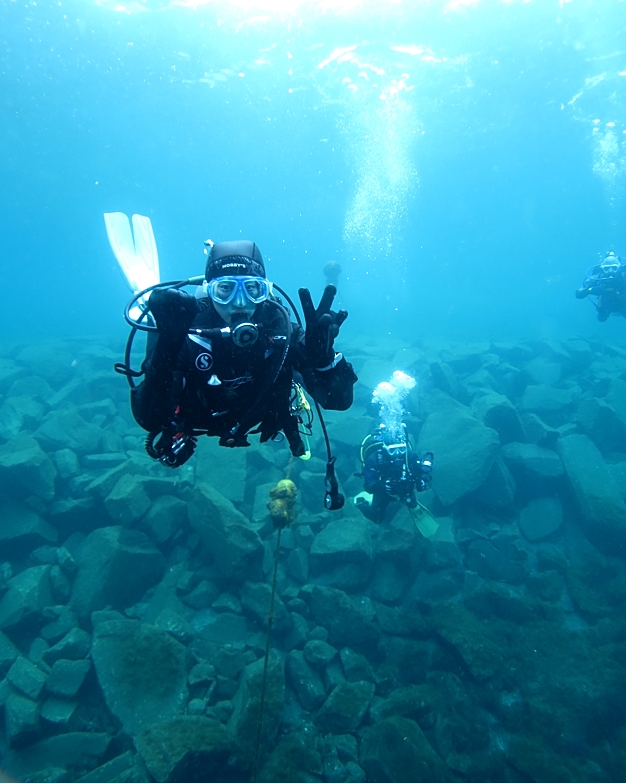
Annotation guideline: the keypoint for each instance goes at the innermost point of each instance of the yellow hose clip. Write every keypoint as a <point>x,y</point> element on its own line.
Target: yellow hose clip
<point>303,404</point>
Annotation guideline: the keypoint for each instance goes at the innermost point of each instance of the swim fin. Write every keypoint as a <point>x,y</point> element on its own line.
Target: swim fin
<point>424,520</point>
<point>138,256</point>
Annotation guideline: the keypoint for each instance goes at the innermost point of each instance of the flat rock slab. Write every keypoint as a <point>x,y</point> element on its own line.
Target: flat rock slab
<point>183,749</point>
<point>141,670</point>
<point>67,429</point>
<point>541,398</point>
<point>533,461</point>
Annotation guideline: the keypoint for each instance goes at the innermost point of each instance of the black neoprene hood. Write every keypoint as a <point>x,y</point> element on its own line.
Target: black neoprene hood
<point>240,257</point>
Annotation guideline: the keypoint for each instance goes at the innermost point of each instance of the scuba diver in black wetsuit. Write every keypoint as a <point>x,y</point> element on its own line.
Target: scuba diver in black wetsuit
<point>607,281</point>
<point>391,469</point>
<point>229,362</point>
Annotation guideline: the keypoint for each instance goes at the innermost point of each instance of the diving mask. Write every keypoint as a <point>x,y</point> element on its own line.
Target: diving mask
<point>240,288</point>
<point>610,265</point>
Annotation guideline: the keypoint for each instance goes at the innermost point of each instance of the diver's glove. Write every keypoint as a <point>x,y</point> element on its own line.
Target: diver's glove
<point>581,293</point>
<point>322,326</point>
<point>174,312</point>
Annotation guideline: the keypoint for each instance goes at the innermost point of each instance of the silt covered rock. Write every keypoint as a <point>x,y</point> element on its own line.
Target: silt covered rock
<point>396,751</point>
<point>343,710</point>
<point>184,749</point>
<point>349,624</point>
<point>244,721</point>
<point>142,672</point>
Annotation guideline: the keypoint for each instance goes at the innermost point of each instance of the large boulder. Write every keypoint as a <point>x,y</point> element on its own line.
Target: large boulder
<point>128,501</point>
<point>294,760</point>
<point>341,554</point>
<point>67,429</point>
<point>244,722</point>
<point>142,672</point>
<point>25,469</point>
<point>166,516</point>
<point>305,681</point>
<point>497,412</point>
<point>540,518</point>
<point>8,654</point>
<point>184,749</point>
<point>532,463</point>
<point>28,594</point>
<point>498,489</point>
<point>10,371</point>
<point>490,563</point>
<point>602,424</point>
<point>343,710</point>
<point>115,567</point>
<point>550,403</point>
<point>349,624</point>
<point>396,751</point>
<point>235,547</point>
<point>17,414</point>
<point>21,717</point>
<point>464,452</point>
<point>602,509</point>
<point>22,529</point>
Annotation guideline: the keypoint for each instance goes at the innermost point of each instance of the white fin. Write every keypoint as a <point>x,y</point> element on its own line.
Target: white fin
<point>138,257</point>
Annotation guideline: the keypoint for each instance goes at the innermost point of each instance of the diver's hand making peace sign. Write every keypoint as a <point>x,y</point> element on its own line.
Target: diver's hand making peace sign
<point>322,326</point>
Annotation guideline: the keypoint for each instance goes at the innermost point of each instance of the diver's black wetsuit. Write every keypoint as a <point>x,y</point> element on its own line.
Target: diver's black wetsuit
<point>388,477</point>
<point>609,288</point>
<point>212,385</point>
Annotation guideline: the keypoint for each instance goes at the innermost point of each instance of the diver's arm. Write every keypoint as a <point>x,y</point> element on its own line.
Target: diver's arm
<point>331,386</point>
<point>153,402</point>
<point>333,389</point>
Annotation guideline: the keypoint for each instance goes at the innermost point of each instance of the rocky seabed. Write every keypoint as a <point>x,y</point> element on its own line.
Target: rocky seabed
<point>134,599</point>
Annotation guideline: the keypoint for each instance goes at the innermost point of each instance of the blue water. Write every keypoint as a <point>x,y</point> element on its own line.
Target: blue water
<point>464,162</point>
